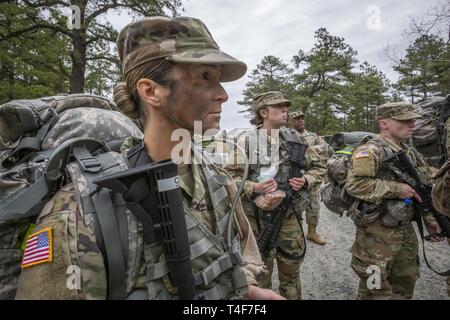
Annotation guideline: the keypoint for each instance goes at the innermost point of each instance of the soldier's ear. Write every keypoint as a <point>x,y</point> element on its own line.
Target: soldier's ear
<point>383,124</point>
<point>150,92</point>
<point>263,113</point>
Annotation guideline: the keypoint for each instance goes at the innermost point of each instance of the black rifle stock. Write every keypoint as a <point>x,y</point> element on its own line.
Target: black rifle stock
<point>152,192</point>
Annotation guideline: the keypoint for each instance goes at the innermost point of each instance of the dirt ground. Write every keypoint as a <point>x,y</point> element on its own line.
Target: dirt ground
<point>326,272</point>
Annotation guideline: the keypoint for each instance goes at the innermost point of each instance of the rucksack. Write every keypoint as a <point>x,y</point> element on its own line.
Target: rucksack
<point>333,194</point>
<point>429,132</point>
<point>39,139</point>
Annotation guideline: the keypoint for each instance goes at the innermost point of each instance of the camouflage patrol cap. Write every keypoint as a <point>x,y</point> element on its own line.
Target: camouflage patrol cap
<point>397,111</point>
<point>180,40</point>
<point>296,114</point>
<point>269,99</point>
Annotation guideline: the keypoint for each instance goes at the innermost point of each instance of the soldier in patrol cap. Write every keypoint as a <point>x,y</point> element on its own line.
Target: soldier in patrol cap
<point>385,237</point>
<point>271,114</point>
<point>325,151</point>
<point>173,70</point>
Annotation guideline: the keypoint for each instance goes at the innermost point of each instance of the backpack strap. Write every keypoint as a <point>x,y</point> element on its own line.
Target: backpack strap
<point>110,221</point>
<point>30,201</point>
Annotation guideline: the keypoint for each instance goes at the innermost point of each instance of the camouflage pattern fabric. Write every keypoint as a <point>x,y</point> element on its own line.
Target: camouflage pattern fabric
<point>441,188</point>
<point>324,151</point>
<point>315,169</point>
<point>11,238</point>
<point>77,245</point>
<point>447,138</point>
<point>393,249</point>
<point>104,125</point>
<point>395,252</point>
<point>318,144</point>
<point>79,116</point>
<point>288,270</point>
<point>180,39</point>
<point>269,99</point>
<point>397,111</point>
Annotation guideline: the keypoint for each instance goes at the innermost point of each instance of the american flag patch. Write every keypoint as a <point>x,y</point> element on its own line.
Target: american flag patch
<point>38,248</point>
<point>362,154</point>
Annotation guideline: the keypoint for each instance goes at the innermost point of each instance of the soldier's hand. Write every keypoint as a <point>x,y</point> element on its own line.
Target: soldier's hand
<point>406,192</point>
<point>297,183</point>
<point>256,293</point>
<point>268,186</point>
<point>433,227</point>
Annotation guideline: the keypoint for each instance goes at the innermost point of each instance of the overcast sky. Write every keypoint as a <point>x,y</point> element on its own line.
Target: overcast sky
<point>251,29</point>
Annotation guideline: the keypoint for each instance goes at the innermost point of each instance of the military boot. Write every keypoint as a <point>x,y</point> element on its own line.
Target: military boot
<point>313,236</point>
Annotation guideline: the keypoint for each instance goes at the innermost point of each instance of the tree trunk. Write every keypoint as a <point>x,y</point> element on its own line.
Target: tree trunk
<point>11,82</point>
<point>78,54</point>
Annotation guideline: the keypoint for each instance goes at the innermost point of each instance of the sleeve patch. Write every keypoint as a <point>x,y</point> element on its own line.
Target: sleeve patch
<point>38,248</point>
<point>362,154</point>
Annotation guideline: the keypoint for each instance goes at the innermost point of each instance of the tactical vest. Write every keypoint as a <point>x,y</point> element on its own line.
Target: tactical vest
<point>286,135</point>
<point>394,212</point>
<point>263,158</point>
<point>217,268</point>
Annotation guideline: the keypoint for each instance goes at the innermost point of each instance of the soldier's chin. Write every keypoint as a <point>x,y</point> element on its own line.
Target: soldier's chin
<point>407,136</point>
<point>212,124</point>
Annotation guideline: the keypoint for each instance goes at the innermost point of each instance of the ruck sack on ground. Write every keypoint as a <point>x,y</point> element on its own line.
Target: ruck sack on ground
<point>429,132</point>
<point>38,139</point>
<point>333,194</point>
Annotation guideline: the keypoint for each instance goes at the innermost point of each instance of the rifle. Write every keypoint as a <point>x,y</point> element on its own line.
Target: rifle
<point>152,193</point>
<point>403,163</point>
<point>269,233</point>
<point>424,191</point>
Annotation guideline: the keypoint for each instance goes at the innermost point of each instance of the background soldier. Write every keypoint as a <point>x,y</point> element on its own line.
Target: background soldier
<point>385,236</point>
<point>441,188</point>
<point>325,152</point>
<point>173,71</point>
<point>271,113</point>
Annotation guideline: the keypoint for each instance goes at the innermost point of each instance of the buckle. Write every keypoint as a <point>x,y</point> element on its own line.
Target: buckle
<point>90,164</point>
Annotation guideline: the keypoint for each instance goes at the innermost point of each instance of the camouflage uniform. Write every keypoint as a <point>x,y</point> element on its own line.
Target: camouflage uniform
<point>74,244</point>
<point>447,138</point>
<point>291,236</point>
<point>441,187</point>
<point>392,246</point>
<point>313,209</point>
<point>206,200</point>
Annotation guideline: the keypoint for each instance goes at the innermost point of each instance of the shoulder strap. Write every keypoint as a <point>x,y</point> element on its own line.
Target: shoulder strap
<point>111,225</point>
<point>419,221</point>
<point>30,201</point>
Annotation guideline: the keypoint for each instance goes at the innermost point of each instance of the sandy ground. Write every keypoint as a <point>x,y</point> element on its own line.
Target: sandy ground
<point>326,272</point>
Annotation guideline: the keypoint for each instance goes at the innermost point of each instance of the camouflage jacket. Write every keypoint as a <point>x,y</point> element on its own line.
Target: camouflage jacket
<point>318,144</point>
<point>447,138</point>
<point>75,248</point>
<point>315,166</point>
<point>367,180</point>
<point>441,189</point>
